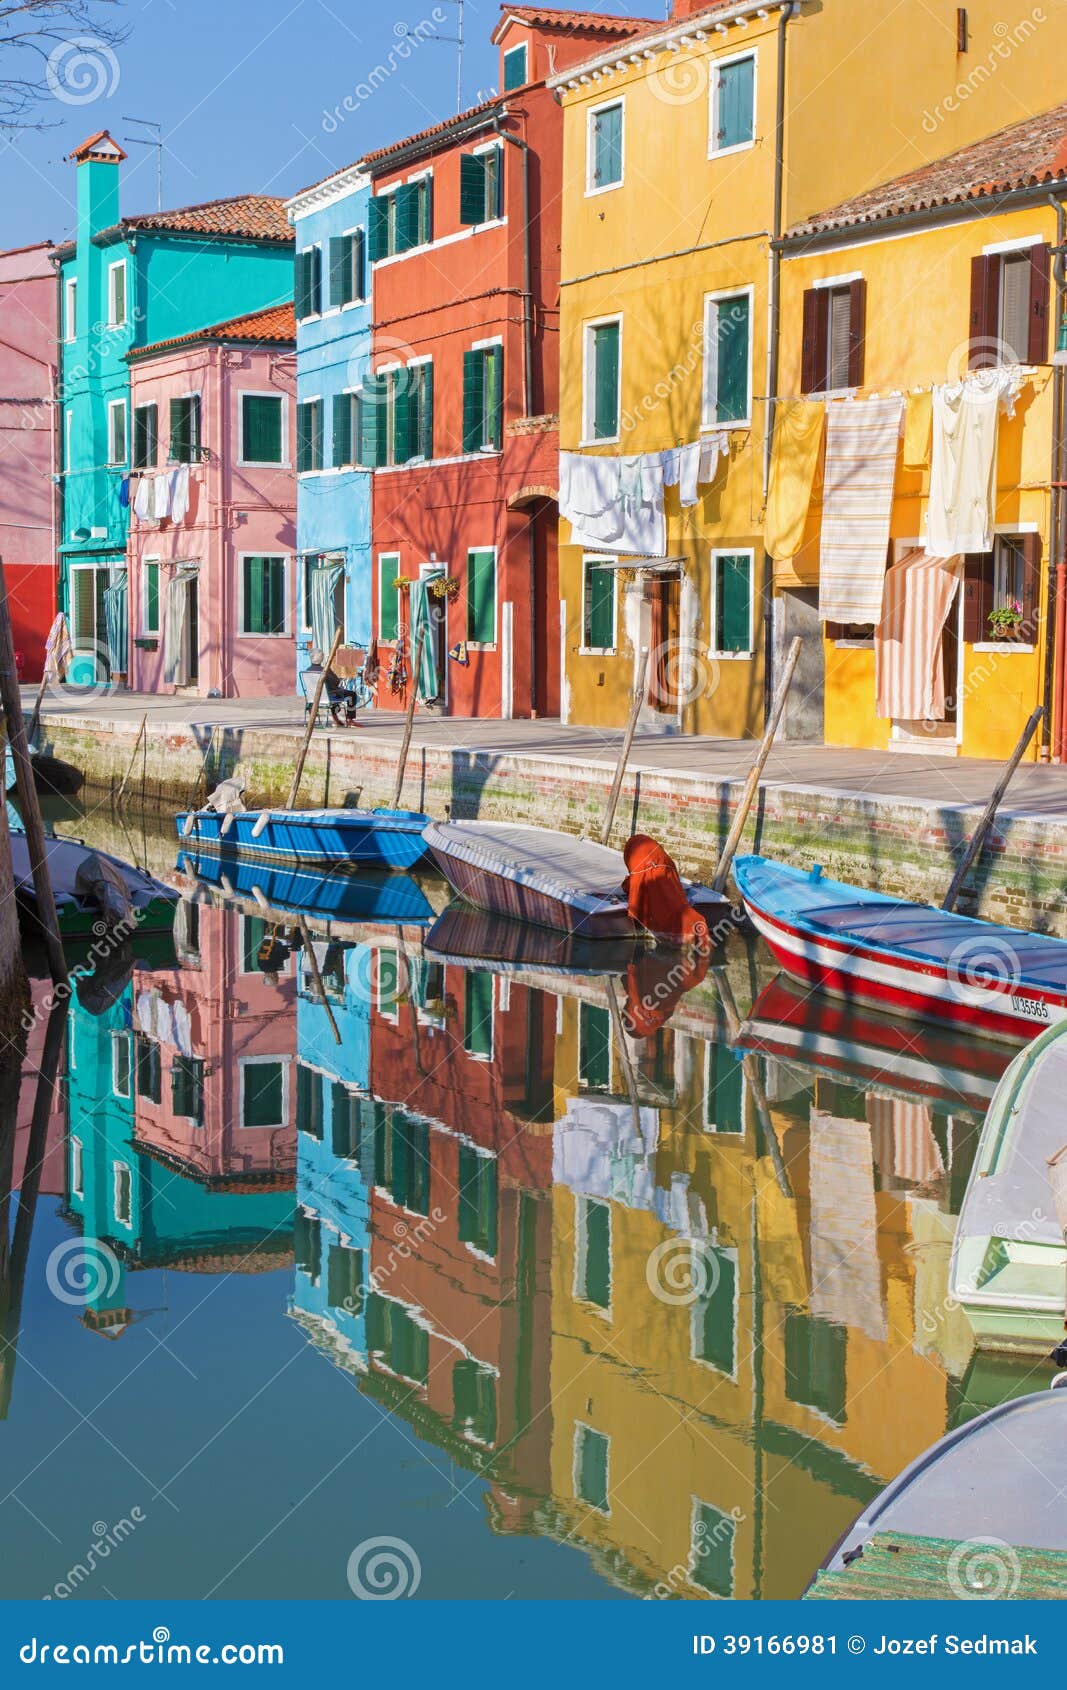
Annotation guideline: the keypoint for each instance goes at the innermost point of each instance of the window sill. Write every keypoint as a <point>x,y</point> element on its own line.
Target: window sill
<point>481,645</point>
<point>854,645</point>
<point>597,651</point>
<point>608,440</point>
<point>731,656</point>
<point>445,240</point>
<point>1009,648</point>
<point>742,426</point>
<point>730,152</point>
<point>605,188</point>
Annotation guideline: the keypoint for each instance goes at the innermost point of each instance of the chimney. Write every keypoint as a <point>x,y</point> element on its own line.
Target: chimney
<point>689,8</point>
<point>97,160</point>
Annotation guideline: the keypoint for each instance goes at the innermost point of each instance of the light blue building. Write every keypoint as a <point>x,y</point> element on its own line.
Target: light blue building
<point>333,341</point>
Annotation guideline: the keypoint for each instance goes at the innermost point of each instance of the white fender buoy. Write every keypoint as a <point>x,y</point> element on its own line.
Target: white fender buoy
<point>189,824</point>
<point>260,823</point>
<point>227,823</point>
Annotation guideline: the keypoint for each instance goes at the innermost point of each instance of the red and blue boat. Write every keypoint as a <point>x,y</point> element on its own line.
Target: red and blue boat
<point>917,961</point>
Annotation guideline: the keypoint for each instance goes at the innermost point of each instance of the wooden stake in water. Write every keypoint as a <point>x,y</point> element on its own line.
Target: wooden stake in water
<point>313,716</point>
<point>409,717</point>
<point>627,745</point>
<point>981,832</point>
<point>733,838</point>
<point>142,733</point>
<point>27,792</point>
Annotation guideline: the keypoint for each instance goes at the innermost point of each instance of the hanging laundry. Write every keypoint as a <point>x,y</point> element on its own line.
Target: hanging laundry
<point>681,469</point>
<point>58,650</point>
<point>124,492</point>
<point>161,485</point>
<point>963,462</point>
<point>178,493</point>
<point>372,667</point>
<point>918,423</point>
<point>712,448</point>
<point>846,1273</point>
<point>902,1136</point>
<point>144,499</point>
<point>614,503</point>
<point>798,437</point>
<point>458,653</point>
<point>909,668</point>
<point>862,448</point>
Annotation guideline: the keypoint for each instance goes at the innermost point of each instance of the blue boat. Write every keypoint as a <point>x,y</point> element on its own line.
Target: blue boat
<point>329,838</point>
<point>375,896</point>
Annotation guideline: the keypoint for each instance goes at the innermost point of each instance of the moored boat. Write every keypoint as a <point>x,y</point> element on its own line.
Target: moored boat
<point>909,958</point>
<point>1009,1259</point>
<point>374,895</point>
<point>335,838</point>
<point>94,892</point>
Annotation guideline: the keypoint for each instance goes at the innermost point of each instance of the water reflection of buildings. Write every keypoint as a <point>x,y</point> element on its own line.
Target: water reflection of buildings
<point>505,1201</point>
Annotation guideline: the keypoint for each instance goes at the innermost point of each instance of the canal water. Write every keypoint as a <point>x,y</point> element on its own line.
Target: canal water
<point>336,1265</point>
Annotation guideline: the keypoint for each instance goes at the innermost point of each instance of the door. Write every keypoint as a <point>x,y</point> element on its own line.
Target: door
<point>191,654</point>
<point>665,594</point>
<point>437,628</point>
<point>88,624</point>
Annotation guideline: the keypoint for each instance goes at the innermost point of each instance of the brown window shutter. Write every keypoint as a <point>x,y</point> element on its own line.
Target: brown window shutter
<point>813,363</point>
<point>1040,276</point>
<point>857,332</point>
<point>985,300</point>
<point>977,596</point>
<point>1031,595</point>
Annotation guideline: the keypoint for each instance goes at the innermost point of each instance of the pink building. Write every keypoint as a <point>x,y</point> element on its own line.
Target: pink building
<point>212,534</point>
<point>28,446</point>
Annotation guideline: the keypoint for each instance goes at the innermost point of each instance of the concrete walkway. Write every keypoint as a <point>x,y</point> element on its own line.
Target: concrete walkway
<point>948,783</point>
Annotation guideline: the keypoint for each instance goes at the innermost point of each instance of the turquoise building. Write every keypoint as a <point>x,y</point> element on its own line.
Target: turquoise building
<point>333,345</point>
<point>126,282</point>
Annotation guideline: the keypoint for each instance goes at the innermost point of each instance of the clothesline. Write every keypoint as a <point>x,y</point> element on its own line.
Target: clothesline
<point>851,396</point>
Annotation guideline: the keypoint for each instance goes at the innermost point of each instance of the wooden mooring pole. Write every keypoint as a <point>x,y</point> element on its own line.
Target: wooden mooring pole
<point>989,814</point>
<point>313,716</point>
<point>409,717</point>
<point>627,745</point>
<point>748,797</point>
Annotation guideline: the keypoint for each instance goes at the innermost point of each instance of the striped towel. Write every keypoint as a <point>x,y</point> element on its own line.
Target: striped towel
<point>902,1133</point>
<point>862,447</point>
<point>909,661</point>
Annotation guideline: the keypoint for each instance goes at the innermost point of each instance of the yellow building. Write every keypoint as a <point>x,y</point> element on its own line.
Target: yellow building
<point>685,158</point>
<point>947,268</point>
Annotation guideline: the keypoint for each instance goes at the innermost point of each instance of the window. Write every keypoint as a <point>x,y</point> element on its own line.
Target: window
<point>145,436</point>
<point>516,72</point>
<point>262,428</point>
<point>1010,307</point>
<point>116,294</point>
<point>344,1278</point>
<point>474,1401</point>
<point>815,1353</point>
<point>388,597</point>
<point>602,399</point>
<point>309,436</point>
<point>70,308</point>
<point>149,1069</point>
<point>308,283</point>
<point>591,1452</point>
<point>347,429</point>
<point>309,1108</point>
<point>68,436</point>
<point>724,1091</point>
<point>262,1092</point>
<point>344,1122</point>
<point>407,1173</point>
<point>481,186</point>
<point>307,1244</point>
<point>714,1312</point>
<point>396,408</point>
<point>185,429</point>
<point>401,219</point>
<point>592,1281</point>
<point>348,268</point>
<point>731,590</point>
<point>733,105</point>
<point>594,1047</point>
<point>1002,579</point>
<point>483,399</point>
<point>478,1014</point>
<point>402,1344</point>
<point>835,325</point>
<point>598,605</point>
<point>116,431</point>
<point>263,606</point>
<point>727,359</point>
<point>481,597</point>
<point>77,1168</point>
<point>711,1564</point>
<point>122,1192</point>
<point>187,1088</point>
<point>478,1193</point>
<point>605,142</point>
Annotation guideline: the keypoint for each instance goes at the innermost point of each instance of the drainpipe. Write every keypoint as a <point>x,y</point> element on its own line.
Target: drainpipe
<point>774,338</point>
<point>1056,640</point>
<point>527,268</point>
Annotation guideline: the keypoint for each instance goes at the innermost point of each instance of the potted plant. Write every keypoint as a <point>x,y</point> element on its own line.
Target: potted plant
<point>1006,620</point>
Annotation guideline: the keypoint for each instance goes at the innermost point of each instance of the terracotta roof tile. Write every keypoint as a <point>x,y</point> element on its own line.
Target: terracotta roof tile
<point>574,22</point>
<point>1025,155</point>
<point>460,121</point>
<point>249,216</point>
<point>274,325</point>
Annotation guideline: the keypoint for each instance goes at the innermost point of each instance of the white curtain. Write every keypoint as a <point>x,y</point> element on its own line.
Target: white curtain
<point>174,664</point>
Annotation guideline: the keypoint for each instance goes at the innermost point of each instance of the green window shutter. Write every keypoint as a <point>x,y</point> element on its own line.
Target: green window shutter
<point>474,1401</point>
<point>302,298</point>
<point>180,437</point>
<point>607,147</point>
<point>407,216</point>
<point>308,1100</point>
<point>594,1045</point>
<point>591,1467</point>
<point>405,414</point>
<point>424,411</point>
<point>732,335</point>
<point>342,430</point>
<point>473,188</point>
<point>187,1087</point>
<point>473,400</point>
<point>341,278</point>
<point>261,428</point>
<point>599,630</point>
<point>815,1360</point>
<point>606,381</point>
<point>344,1278</point>
<point>724,1102</point>
<point>149,1069</point>
<point>494,397</point>
<point>303,438</point>
<point>481,597</point>
<point>388,599</point>
<point>315,279</point>
<point>151,598</point>
<point>712,1566</point>
<point>478,1012</point>
<point>276,602</point>
<point>734,597</point>
<point>374,420</point>
<point>253,927</point>
<point>494,182</point>
<point>262,1100</point>
<point>714,1314</point>
<point>253,619</point>
<point>425,199</point>
<point>515,74</point>
<point>359,264</point>
<point>145,436</point>
<point>596,1253</point>
<point>316,434</point>
<point>735,109</point>
<point>478,1200</point>
<point>378,228</point>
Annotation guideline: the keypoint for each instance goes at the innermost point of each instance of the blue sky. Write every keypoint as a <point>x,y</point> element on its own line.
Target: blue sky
<point>250,94</point>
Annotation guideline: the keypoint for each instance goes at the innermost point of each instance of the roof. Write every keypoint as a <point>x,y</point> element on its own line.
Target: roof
<point>657,32</point>
<point>1025,155</point>
<point>274,325</point>
<point>462,121</point>
<point>250,216</point>
<point>109,150</point>
<point>571,22</point>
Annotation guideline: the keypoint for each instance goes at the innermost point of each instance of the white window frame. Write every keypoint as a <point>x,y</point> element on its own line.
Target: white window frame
<point>487,645</point>
<point>490,1054</point>
<point>522,47</point>
<point>708,1125</point>
<point>388,1011</point>
<point>589,328</point>
<point>698,1276</point>
<point>714,555</point>
<point>591,187</point>
<point>144,405</point>
<point>68,432</point>
<point>70,309</point>
<point>280,557</point>
<point>117,1169</point>
<point>77,1167</point>
<point>611,650</point>
<point>487,451</point>
<point>113,406</point>
<point>581,1426</point>
<point>245,1062</point>
<point>154,561</point>
<point>382,558</point>
<point>117,1040</point>
<point>360,298</point>
<point>697,1507</point>
<point>191,393</point>
<point>708,423</point>
<point>313,399</point>
<point>114,322</point>
<point>714,84</point>
<point>283,400</point>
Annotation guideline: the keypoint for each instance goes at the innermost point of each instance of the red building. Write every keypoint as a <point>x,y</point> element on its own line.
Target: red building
<point>28,446</point>
<point>460,419</point>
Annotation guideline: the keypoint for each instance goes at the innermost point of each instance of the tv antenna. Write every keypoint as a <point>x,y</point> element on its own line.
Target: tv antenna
<point>456,41</point>
<point>156,141</point>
